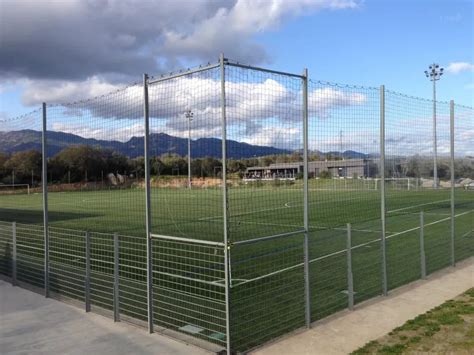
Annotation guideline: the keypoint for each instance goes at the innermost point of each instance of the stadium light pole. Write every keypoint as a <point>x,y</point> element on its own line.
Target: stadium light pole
<point>434,73</point>
<point>189,115</point>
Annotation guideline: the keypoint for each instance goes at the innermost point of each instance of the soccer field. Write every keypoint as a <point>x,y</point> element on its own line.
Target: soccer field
<point>267,294</point>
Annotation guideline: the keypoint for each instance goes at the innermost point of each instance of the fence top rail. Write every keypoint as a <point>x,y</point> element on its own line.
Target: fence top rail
<point>122,88</point>
<point>463,106</point>
<point>187,240</point>
<point>342,86</point>
<point>251,67</point>
<point>164,77</point>
<point>396,93</point>
<point>25,115</point>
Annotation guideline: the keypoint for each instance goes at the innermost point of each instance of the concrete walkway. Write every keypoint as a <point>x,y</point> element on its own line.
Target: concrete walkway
<point>347,331</point>
<point>32,324</point>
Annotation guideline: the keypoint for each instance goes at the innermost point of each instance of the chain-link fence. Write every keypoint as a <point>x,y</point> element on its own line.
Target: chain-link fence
<point>228,205</point>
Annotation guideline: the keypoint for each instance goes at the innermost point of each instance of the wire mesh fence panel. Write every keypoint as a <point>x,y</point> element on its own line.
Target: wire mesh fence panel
<point>20,169</point>
<point>366,264</point>
<point>464,182</point>
<point>328,272</point>
<point>102,271</point>
<point>67,266</point>
<point>6,248</point>
<point>132,279</point>
<point>95,163</point>
<point>30,254</point>
<point>264,114</point>
<point>185,153</point>
<point>189,289</point>
<point>403,258</point>
<point>410,157</point>
<point>267,294</point>
<point>437,245</point>
<point>344,125</point>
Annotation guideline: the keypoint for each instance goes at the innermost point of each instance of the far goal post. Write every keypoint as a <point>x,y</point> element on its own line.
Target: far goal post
<point>10,189</point>
<point>404,183</point>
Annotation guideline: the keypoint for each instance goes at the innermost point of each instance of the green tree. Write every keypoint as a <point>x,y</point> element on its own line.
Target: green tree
<point>24,164</point>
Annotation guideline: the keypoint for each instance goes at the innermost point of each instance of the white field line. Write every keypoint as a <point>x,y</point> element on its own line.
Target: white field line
<point>422,204</point>
<point>345,250</point>
<point>301,226</point>
<point>286,205</point>
<point>466,234</point>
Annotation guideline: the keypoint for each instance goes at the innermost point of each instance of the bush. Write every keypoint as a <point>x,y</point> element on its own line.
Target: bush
<point>325,175</point>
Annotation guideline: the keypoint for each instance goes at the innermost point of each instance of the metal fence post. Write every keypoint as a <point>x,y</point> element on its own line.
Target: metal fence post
<point>350,280</point>
<point>44,177</point>
<point>149,250</point>
<point>116,279</point>
<point>225,203</point>
<point>451,119</point>
<point>382,188</point>
<point>14,254</point>
<point>305,201</point>
<point>87,291</point>
<point>422,246</point>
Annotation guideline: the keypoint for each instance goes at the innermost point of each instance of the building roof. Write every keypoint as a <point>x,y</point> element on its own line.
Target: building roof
<point>316,163</point>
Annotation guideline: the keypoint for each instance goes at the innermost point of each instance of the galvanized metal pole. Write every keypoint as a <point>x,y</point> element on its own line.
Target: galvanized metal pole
<point>13,253</point>
<point>44,172</point>
<point>382,188</point>
<point>435,145</point>
<point>305,201</point>
<point>87,293</point>
<point>149,251</point>
<point>225,205</point>
<point>116,279</point>
<point>188,115</point>
<point>451,116</point>
<point>422,246</point>
<point>350,280</point>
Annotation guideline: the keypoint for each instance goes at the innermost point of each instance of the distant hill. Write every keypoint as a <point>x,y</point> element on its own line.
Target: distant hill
<point>160,143</point>
<point>348,154</point>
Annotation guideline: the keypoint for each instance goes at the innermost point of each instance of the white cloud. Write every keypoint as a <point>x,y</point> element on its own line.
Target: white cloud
<point>77,39</point>
<point>60,91</point>
<point>459,67</point>
<point>279,137</point>
<point>232,28</point>
<point>322,100</point>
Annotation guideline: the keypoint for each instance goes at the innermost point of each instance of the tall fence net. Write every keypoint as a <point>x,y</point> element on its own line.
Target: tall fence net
<point>21,208</point>
<point>268,200</point>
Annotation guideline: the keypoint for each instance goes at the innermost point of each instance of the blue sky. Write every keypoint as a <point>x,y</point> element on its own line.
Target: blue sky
<point>346,41</point>
<point>383,42</point>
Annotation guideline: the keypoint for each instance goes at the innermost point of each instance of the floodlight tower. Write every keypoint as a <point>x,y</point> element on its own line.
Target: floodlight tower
<point>434,73</point>
<point>189,115</point>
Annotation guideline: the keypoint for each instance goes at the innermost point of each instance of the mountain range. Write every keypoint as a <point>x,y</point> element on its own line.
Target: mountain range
<point>160,143</point>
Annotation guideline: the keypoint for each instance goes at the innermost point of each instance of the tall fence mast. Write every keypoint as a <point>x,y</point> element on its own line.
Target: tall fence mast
<point>382,188</point>
<point>44,173</point>
<point>149,251</point>
<point>451,124</point>
<point>225,204</point>
<point>305,201</point>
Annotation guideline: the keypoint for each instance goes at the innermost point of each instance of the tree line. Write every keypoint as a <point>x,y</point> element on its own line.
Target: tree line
<point>83,163</point>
